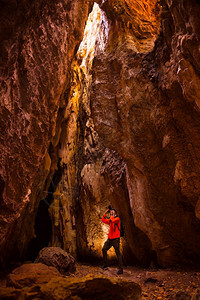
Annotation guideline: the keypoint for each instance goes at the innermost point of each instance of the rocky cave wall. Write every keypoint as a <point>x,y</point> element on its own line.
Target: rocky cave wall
<point>101,173</point>
<point>115,123</point>
<point>145,106</point>
<point>38,42</point>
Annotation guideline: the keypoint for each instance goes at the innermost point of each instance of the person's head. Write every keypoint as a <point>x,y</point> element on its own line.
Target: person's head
<point>113,212</point>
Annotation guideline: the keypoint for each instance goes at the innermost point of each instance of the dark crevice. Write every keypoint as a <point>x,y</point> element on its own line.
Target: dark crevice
<point>43,222</point>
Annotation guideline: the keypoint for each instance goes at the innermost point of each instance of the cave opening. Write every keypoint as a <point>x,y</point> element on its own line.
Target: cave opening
<point>43,221</point>
<point>43,228</point>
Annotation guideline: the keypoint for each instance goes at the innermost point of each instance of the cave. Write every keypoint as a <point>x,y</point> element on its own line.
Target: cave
<point>100,107</point>
<point>42,226</point>
<point>42,232</point>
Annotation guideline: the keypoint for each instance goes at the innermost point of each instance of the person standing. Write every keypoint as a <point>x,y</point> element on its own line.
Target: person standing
<point>113,238</point>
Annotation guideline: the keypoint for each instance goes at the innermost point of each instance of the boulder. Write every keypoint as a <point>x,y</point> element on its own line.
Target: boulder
<point>87,287</point>
<point>58,258</point>
<point>30,274</point>
<point>92,287</point>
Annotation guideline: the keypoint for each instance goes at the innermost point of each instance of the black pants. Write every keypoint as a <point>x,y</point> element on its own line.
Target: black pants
<point>107,245</point>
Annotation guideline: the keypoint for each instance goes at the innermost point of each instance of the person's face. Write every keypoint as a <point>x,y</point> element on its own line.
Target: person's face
<point>112,213</point>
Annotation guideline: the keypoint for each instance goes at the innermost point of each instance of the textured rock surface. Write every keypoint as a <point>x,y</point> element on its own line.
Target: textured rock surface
<point>38,43</point>
<point>87,287</point>
<point>133,22</point>
<point>104,183</point>
<point>29,274</point>
<point>145,106</point>
<point>102,176</point>
<point>58,258</point>
<point>139,148</point>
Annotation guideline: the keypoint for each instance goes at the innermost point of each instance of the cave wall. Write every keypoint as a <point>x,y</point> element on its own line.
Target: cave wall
<point>103,183</point>
<point>102,176</point>
<point>38,42</point>
<point>145,106</point>
<point>122,129</point>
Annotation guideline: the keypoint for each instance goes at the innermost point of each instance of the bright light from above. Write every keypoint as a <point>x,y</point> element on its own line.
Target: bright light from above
<point>86,49</point>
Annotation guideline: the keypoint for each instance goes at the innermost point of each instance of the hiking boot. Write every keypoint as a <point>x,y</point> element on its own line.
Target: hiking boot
<point>120,271</point>
<point>104,267</point>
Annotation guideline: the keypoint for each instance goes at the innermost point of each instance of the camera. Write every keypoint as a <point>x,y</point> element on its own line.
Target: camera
<point>110,208</point>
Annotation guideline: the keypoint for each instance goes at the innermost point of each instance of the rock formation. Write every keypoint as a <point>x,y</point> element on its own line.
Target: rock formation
<point>145,106</point>
<point>58,258</point>
<point>42,282</point>
<point>31,274</point>
<point>114,120</point>
<point>38,43</point>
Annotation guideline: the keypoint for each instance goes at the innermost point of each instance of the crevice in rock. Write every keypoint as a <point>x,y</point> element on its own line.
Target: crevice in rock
<point>42,230</point>
<point>43,223</point>
<point>97,189</point>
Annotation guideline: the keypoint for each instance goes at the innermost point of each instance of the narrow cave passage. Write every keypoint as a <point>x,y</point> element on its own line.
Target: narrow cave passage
<point>43,227</point>
<point>116,115</point>
<point>95,38</point>
<point>96,33</point>
<point>43,221</point>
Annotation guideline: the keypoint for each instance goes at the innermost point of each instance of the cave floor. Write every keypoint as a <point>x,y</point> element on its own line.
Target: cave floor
<point>155,283</point>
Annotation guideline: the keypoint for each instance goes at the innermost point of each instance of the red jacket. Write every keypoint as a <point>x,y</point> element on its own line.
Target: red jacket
<point>114,231</point>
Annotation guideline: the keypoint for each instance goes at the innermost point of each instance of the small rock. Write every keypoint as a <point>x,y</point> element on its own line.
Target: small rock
<point>161,284</point>
<point>151,280</point>
<point>58,258</point>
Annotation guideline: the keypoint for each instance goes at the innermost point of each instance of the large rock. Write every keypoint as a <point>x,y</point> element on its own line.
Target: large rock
<point>29,274</point>
<point>88,287</point>
<point>58,258</point>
